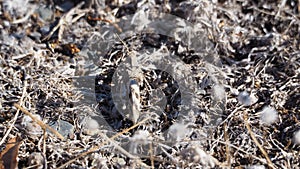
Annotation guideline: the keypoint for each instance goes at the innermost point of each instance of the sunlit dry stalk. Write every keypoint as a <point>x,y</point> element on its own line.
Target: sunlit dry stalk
<point>256,141</point>
<point>39,122</point>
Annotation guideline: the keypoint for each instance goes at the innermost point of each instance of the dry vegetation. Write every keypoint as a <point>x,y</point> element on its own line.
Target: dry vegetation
<point>44,54</point>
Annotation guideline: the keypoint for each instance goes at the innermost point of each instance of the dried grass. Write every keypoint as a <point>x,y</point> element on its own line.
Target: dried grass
<point>257,42</point>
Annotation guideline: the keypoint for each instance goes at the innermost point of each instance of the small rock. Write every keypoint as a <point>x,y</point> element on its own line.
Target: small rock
<point>246,99</point>
<point>35,35</point>
<point>45,29</point>
<point>90,126</point>
<point>45,13</point>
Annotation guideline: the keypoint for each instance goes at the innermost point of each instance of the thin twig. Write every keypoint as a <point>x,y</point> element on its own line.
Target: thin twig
<point>9,129</point>
<point>151,155</point>
<point>39,122</point>
<point>103,143</point>
<point>243,151</point>
<point>256,141</point>
<point>282,4</point>
<point>44,149</point>
<point>231,114</point>
<point>228,157</point>
<point>16,115</point>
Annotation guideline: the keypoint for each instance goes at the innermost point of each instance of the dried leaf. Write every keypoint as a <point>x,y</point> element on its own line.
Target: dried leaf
<point>8,157</point>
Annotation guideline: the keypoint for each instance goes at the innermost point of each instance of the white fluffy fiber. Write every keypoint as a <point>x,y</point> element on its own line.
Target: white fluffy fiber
<point>268,115</point>
<point>219,92</point>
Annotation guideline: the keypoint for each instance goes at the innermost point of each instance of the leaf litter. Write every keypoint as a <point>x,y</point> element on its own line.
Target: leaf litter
<point>258,46</point>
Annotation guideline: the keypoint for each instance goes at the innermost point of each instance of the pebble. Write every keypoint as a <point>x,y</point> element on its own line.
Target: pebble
<point>45,13</point>
<point>35,35</point>
<point>246,99</point>
<point>45,29</point>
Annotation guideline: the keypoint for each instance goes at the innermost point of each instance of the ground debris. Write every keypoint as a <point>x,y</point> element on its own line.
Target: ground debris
<point>47,63</point>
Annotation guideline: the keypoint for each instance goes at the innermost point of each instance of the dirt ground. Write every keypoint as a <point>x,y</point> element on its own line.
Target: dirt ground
<point>52,72</point>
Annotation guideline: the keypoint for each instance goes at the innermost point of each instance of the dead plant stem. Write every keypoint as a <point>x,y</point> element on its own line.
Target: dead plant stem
<point>256,141</point>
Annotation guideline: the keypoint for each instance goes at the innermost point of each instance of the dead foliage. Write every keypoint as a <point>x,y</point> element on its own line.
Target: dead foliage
<point>43,54</point>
